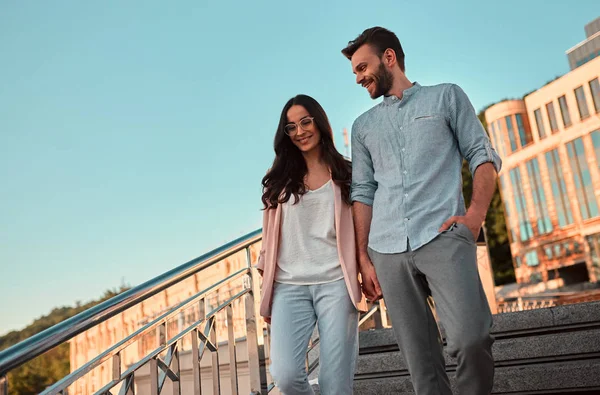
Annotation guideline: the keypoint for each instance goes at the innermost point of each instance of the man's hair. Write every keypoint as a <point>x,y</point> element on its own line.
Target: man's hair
<point>379,39</point>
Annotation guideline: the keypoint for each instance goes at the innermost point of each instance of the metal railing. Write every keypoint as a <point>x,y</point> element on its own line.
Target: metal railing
<point>202,333</point>
<point>509,305</point>
<point>164,360</point>
<point>540,301</point>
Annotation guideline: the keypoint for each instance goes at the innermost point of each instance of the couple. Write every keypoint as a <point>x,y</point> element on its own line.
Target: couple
<point>396,215</point>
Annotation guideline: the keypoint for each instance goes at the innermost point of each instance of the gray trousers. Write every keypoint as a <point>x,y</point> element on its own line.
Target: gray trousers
<point>445,268</point>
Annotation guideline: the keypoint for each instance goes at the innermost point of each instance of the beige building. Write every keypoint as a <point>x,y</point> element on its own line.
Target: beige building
<point>550,182</point>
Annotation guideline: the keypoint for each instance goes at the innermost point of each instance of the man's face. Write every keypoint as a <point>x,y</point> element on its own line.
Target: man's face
<point>370,72</point>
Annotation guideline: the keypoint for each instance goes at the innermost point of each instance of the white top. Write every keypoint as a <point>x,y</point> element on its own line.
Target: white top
<point>308,249</point>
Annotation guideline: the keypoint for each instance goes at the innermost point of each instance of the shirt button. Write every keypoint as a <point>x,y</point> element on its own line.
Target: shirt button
<point>405,219</point>
<point>406,195</point>
<point>403,149</point>
<point>405,172</point>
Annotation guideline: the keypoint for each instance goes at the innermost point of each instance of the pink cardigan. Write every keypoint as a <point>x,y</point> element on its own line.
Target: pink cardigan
<point>267,261</point>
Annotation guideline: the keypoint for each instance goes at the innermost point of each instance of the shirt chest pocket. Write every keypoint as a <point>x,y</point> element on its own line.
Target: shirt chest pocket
<point>429,132</point>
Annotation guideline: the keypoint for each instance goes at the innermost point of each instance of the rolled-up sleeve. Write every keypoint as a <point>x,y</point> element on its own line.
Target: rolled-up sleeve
<point>472,138</point>
<point>363,180</point>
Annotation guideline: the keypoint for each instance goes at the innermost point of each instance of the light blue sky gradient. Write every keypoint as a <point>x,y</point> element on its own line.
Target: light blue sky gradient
<point>134,135</point>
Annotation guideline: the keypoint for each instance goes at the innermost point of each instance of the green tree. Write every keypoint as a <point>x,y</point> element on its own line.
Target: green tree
<point>37,374</point>
<point>495,224</point>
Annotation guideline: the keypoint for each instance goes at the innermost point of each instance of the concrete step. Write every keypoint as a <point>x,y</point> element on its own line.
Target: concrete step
<point>583,344</point>
<point>551,377</point>
<point>554,350</point>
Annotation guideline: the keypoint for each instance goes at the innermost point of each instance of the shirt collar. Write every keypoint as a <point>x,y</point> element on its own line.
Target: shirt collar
<point>388,100</point>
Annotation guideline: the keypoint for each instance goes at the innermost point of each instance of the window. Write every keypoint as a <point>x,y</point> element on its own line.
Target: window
<point>581,103</point>
<point>559,189</point>
<point>518,261</point>
<point>524,135</point>
<point>548,251</point>
<point>493,135</point>
<point>595,89</point>
<point>564,249</point>
<point>524,225</point>
<point>504,193</point>
<point>535,278</point>
<point>501,139</point>
<point>596,143</point>
<point>552,117</point>
<point>532,259</point>
<point>539,197</point>
<point>582,179</point>
<point>510,220</point>
<point>564,111</point>
<point>539,121</point>
<point>498,139</point>
<point>511,133</point>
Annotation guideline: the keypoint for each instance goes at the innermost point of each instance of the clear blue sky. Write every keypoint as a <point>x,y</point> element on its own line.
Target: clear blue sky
<point>134,135</point>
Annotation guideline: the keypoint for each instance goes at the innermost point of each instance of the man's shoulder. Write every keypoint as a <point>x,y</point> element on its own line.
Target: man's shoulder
<point>365,117</point>
<point>440,89</point>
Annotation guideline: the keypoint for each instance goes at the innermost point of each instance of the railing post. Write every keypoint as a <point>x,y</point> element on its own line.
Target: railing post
<point>378,316</point>
<point>215,360</point>
<point>306,361</point>
<point>258,377</point>
<point>520,303</point>
<point>177,368</point>
<point>161,334</point>
<point>196,363</point>
<point>3,385</point>
<point>383,312</point>
<point>153,377</point>
<point>116,367</point>
<point>232,353</point>
<point>196,350</point>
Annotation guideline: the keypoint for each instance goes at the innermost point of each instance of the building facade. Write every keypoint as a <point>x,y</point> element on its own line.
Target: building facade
<point>550,182</point>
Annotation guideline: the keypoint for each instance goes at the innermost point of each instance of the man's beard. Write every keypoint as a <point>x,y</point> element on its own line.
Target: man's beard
<point>383,81</point>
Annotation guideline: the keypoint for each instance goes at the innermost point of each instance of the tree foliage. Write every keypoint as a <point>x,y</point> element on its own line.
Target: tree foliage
<point>495,225</point>
<point>37,374</point>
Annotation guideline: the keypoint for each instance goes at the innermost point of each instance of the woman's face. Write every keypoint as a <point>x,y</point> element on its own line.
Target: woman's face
<point>302,129</point>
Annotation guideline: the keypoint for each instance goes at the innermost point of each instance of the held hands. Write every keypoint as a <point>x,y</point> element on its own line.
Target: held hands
<point>370,284</point>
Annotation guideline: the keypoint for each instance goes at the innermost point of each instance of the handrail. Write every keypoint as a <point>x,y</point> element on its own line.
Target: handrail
<point>368,314</point>
<point>121,345</point>
<point>46,340</point>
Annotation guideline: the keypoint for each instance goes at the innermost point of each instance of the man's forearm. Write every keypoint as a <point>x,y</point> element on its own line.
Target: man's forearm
<point>484,185</point>
<point>362,225</point>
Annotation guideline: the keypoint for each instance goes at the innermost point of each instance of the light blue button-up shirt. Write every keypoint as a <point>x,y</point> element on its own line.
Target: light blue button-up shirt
<point>406,163</point>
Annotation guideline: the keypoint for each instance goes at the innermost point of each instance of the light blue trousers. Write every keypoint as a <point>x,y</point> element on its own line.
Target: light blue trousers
<point>294,312</point>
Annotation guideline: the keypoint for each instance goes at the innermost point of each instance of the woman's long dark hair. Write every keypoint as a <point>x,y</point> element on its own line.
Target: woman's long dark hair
<point>286,176</point>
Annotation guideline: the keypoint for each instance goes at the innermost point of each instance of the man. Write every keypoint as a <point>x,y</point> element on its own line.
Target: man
<point>414,235</point>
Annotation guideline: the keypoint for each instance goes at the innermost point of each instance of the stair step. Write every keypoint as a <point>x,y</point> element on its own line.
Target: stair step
<point>582,376</point>
<point>507,351</point>
<point>553,350</point>
<point>522,323</point>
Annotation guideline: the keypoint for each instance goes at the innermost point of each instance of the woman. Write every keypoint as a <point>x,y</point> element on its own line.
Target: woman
<point>308,263</point>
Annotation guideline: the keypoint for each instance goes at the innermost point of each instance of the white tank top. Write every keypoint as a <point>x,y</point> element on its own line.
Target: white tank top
<point>308,249</point>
